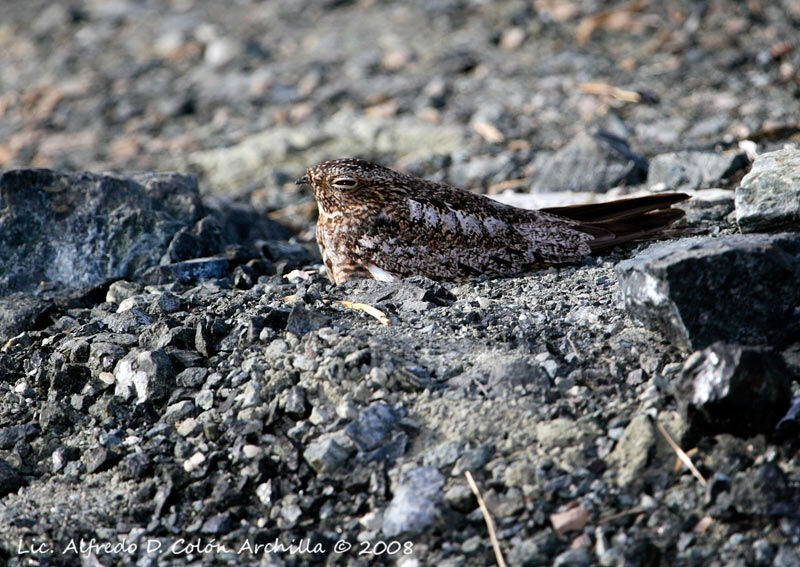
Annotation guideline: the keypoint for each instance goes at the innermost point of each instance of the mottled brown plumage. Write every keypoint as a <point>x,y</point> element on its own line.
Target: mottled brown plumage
<point>379,223</point>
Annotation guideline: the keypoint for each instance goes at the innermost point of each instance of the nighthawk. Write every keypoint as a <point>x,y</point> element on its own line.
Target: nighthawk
<point>378,223</point>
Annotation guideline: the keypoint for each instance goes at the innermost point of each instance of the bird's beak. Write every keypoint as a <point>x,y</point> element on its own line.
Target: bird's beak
<point>302,180</point>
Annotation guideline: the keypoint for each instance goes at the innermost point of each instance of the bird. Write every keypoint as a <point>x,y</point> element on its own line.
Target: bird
<point>375,222</point>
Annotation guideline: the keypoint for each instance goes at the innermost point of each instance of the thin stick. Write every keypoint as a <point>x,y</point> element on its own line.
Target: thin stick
<point>368,309</point>
<point>488,519</point>
<point>681,454</point>
<point>574,350</point>
<point>481,387</point>
<point>608,90</point>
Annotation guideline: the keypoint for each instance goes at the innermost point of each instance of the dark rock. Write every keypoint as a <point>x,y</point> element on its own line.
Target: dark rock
<point>22,312</point>
<point>129,321</point>
<point>733,389</point>
<point>243,277</point>
<point>288,256</point>
<point>535,551</point>
<point>202,339</point>
<point>765,491</point>
<point>193,377</point>
<point>10,479</point>
<point>56,416</point>
<point>692,170</point>
<point>242,223</point>
<point>217,524</point>
<point>302,320</point>
<point>768,197</point>
<point>190,271</point>
<point>473,459</point>
<point>578,557</point>
<point>590,162</point>
<point>325,454</point>
<point>66,377</point>
<point>99,459</point>
<point>372,426</point>
<point>736,289</point>
<point>167,302</point>
<point>295,402</point>
<point>413,506</point>
<point>10,436</point>
<point>389,451</point>
<point>138,465</point>
<point>103,356</point>
<point>47,217</point>
<point>178,411</point>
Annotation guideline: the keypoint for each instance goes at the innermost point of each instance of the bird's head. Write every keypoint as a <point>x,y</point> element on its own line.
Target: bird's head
<point>347,184</point>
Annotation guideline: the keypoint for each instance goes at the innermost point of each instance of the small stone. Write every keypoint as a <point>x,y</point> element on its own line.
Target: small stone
<point>168,302</point>
<point>295,404</point>
<point>303,321</point>
<point>561,432</point>
<point>413,506</point>
<point>372,425</point>
<point>535,551</point>
<point>570,520</point>
<point>217,524</point>
<point>138,465</point>
<point>473,459</point>
<point>579,557</point>
<point>631,455</point>
<point>62,456</point>
<point>178,411</point>
<point>189,427</point>
<point>264,493</point>
<point>148,373</point>
<point>192,377</point>
<point>325,454</point>
<point>194,461</point>
<point>122,290</point>
<point>204,399</point>
<point>98,459</point>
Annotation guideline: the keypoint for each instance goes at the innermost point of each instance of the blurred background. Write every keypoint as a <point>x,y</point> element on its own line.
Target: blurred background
<point>246,94</point>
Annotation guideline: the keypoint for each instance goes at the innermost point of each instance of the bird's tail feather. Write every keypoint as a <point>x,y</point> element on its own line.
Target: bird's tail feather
<point>623,220</point>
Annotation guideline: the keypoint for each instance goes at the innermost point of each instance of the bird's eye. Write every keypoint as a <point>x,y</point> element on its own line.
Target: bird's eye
<point>343,182</point>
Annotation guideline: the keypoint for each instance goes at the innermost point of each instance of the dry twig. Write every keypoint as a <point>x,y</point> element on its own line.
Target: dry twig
<point>488,519</point>
<point>356,306</point>
<point>608,90</point>
<point>681,454</point>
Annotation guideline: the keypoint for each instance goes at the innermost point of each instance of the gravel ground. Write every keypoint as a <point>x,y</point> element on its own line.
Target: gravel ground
<point>180,384</point>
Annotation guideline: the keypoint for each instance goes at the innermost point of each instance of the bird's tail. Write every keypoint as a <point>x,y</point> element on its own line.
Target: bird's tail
<point>623,220</point>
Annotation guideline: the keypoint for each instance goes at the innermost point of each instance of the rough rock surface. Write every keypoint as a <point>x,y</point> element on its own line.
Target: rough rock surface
<point>81,229</point>
<point>739,289</point>
<point>692,170</point>
<point>590,162</point>
<point>733,389</point>
<point>768,198</point>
